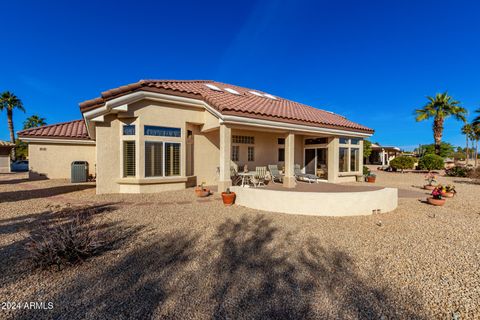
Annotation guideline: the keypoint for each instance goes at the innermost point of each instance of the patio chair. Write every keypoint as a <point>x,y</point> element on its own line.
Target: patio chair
<point>275,174</point>
<point>259,177</point>
<point>299,176</point>
<point>236,179</point>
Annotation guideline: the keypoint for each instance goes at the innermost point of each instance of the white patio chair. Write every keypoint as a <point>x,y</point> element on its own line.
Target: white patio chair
<point>276,176</point>
<point>299,176</point>
<point>259,177</point>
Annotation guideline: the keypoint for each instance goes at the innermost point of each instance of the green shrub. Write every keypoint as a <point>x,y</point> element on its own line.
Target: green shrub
<point>366,171</point>
<point>458,171</point>
<point>431,162</point>
<point>402,163</point>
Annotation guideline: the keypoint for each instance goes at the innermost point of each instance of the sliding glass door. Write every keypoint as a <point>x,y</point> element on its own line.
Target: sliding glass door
<point>316,162</point>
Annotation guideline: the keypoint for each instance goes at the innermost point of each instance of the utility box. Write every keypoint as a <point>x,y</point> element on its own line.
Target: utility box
<point>79,171</point>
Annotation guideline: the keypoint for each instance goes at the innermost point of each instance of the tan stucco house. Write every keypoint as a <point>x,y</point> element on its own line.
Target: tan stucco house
<point>157,135</point>
<point>5,150</point>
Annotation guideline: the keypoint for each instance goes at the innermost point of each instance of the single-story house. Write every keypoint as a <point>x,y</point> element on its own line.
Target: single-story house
<point>382,155</point>
<point>5,150</point>
<point>157,135</point>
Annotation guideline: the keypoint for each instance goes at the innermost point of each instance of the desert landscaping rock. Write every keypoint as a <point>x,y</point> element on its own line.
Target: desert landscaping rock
<point>190,259</point>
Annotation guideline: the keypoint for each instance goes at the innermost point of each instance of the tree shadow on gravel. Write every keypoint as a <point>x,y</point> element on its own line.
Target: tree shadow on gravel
<point>21,195</point>
<point>248,269</point>
<point>133,288</point>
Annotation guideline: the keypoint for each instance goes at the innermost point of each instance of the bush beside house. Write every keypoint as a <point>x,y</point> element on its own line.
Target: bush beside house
<point>431,162</point>
<point>402,163</point>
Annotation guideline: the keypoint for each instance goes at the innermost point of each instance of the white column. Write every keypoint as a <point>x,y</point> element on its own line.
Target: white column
<point>333,159</point>
<point>224,180</point>
<point>289,179</point>
<point>383,157</point>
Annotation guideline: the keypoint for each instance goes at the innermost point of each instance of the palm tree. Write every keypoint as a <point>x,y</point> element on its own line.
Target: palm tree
<point>439,108</point>
<point>9,101</point>
<point>476,121</point>
<point>476,138</point>
<point>467,130</point>
<point>33,122</point>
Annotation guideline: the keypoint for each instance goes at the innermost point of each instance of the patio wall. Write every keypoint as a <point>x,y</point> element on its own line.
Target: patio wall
<point>318,203</point>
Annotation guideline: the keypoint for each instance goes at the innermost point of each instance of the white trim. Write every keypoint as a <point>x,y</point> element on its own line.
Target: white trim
<point>56,141</point>
<point>288,126</point>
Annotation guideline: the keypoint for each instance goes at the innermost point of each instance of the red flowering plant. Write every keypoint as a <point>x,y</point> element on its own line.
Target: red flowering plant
<point>437,192</point>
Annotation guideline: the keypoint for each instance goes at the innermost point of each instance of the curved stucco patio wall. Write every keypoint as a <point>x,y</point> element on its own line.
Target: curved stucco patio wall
<point>318,203</point>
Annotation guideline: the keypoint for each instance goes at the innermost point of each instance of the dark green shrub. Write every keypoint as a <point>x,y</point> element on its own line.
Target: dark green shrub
<point>366,171</point>
<point>458,171</point>
<point>402,163</point>
<point>431,162</point>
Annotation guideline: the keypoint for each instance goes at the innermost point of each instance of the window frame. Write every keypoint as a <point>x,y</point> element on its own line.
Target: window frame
<point>163,142</point>
<point>124,157</point>
<point>237,153</point>
<point>251,157</point>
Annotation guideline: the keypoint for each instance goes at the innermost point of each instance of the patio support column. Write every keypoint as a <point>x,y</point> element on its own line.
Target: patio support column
<point>224,180</point>
<point>383,157</point>
<point>289,179</point>
<point>333,159</point>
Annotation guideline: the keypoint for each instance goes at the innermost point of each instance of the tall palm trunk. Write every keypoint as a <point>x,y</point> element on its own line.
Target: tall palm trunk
<point>476,153</point>
<point>437,133</point>
<point>466,151</point>
<point>12,132</point>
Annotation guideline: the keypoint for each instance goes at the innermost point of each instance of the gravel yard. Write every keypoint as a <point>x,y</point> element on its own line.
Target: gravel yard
<point>187,258</point>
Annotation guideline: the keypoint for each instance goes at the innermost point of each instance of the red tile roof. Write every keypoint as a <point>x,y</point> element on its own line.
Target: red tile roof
<point>67,130</point>
<point>245,104</point>
<point>6,144</point>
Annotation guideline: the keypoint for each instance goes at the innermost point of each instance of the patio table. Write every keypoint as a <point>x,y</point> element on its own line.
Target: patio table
<point>246,175</point>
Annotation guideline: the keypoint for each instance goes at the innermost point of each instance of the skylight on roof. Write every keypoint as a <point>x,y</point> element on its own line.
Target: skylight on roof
<point>269,96</point>
<point>213,87</point>
<point>232,91</point>
<point>256,93</point>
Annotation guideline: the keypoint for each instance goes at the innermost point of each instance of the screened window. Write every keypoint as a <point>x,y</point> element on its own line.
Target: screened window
<point>354,159</point>
<point>251,154</point>
<point>129,130</point>
<point>172,159</point>
<point>129,158</point>
<point>235,153</point>
<point>343,160</point>
<point>153,159</point>
<point>316,141</point>
<point>243,139</point>
<point>354,141</point>
<point>161,131</point>
<point>281,155</point>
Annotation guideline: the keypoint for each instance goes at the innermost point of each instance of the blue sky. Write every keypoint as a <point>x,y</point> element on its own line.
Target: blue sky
<point>372,61</point>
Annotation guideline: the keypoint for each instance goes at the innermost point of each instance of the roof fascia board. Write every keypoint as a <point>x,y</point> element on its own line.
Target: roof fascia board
<point>56,141</point>
<point>289,126</point>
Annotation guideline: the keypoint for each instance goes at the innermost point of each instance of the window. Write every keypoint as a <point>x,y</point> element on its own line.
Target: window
<point>172,159</point>
<point>161,131</point>
<point>235,153</point>
<point>243,139</point>
<point>281,141</point>
<point>251,154</point>
<point>343,160</point>
<point>153,159</point>
<point>316,141</point>
<point>129,158</point>
<point>129,130</point>
<point>281,155</point>
<point>354,141</point>
<point>343,140</point>
<point>354,159</point>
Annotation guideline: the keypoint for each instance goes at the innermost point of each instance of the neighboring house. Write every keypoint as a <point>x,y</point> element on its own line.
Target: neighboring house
<point>5,150</point>
<point>52,148</point>
<point>382,155</point>
<point>157,135</point>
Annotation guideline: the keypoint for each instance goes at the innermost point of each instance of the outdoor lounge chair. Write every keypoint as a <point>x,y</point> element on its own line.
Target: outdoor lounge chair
<point>299,176</point>
<point>236,179</point>
<point>259,177</point>
<point>274,173</point>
